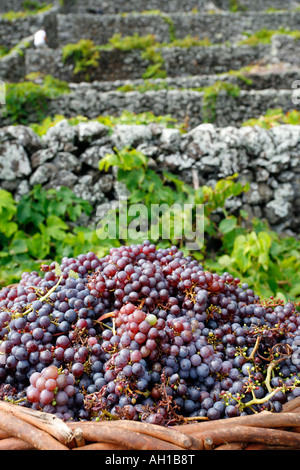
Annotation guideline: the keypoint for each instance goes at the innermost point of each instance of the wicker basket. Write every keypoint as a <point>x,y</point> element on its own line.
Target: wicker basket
<point>26,429</point>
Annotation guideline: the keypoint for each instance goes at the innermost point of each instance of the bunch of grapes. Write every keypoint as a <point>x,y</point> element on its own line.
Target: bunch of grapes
<point>53,390</point>
<point>148,334</point>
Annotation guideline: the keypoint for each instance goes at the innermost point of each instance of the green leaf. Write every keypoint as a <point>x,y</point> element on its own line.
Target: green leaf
<point>240,250</point>
<point>133,179</point>
<point>18,246</point>
<point>244,214</point>
<point>8,228</point>
<point>228,224</point>
<point>57,270</point>
<point>56,227</point>
<point>38,246</point>
<point>295,290</point>
<point>73,274</point>
<point>7,202</point>
<point>265,242</point>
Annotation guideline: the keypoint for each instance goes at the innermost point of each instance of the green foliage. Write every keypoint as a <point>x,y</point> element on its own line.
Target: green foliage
<point>23,99</point>
<point>126,117</point>
<point>33,5</point>
<point>274,10</point>
<point>38,228</point>
<point>18,48</point>
<point>267,262</point>
<point>127,43</point>
<point>3,51</point>
<point>242,75</point>
<point>84,54</point>
<point>188,41</point>
<point>156,69</point>
<point>211,94</point>
<point>275,117</point>
<point>264,36</point>
<point>147,85</point>
<point>236,6</point>
<point>148,187</point>
<point>27,98</point>
<point>149,48</point>
<point>29,8</point>
<point>167,19</point>
<point>251,251</point>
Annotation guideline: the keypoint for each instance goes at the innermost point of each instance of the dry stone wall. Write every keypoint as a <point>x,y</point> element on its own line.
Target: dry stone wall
<point>69,156</point>
<point>219,27</point>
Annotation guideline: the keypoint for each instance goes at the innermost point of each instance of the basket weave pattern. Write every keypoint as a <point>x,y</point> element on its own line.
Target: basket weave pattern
<point>26,429</point>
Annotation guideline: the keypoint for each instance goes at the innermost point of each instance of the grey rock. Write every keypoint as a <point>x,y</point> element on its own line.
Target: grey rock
<point>262,175</point>
<point>42,156</point>
<point>265,192</point>
<point>284,49</point>
<point>120,190</point>
<point>276,210</point>
<point>92,156</point>
<point>155,128</point>
<point>14,162</point>
<point>285,192</point>
<point>22,190</point>
<point>43,174</point>
<point>256,140</point>
<point>230,136</point>
<point>60,134</point>
<point>204,137</point>
<point>258,194</point>
<point>170,136</point>
<point>285,137</point>
<point>26,137</point>
<point>149,150</point>
<point>67,161</point>
<point>89,131</point>
<point>286,176</point>
<point>106,183</point>
<point>175,162</point>
<point>130,136</point>
<point>229,162</point>
<point>88,191</point>
<point>63,178</point>
<point>208,164</point>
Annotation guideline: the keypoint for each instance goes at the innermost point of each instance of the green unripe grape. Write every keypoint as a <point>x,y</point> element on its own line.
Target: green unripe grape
<point>150,318</point>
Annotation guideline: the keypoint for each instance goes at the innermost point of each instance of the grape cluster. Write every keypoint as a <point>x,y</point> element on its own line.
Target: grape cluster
<point>148,334</point>
<point>53,390</point>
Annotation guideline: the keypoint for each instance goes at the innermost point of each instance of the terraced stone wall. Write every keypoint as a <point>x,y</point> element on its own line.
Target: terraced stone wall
<point>12,32</point>
<point>119,6</point>
<point>64,29</point>
<point>18,5</point>
<point>185,105</point>
<point>256,5</point>
<point>69,155</point>
<point>216,27</point>
<point>120,65</point>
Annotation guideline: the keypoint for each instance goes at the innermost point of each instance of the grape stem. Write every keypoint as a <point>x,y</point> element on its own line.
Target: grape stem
<point>251,357</point>
<point>42,299</point>
<point>260,401</point>
<point>268,376</point>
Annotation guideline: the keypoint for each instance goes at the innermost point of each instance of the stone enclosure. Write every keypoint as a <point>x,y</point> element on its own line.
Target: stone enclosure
<point>69,155</point>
